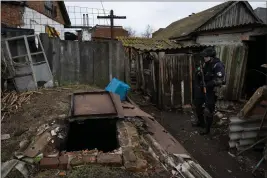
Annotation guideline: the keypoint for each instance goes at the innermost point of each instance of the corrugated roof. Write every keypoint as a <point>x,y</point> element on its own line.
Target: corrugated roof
<point>189,24</point>
<point>186,26</point>
<point>261,13</point>
<point>148,44</point>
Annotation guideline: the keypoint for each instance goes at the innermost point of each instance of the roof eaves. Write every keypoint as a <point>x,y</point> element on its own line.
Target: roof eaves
<point>252,11</point>
<point>64,13</point>
<point>218,13</point>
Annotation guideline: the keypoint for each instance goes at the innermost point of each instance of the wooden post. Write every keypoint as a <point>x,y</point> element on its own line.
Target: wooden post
<point>111,17</point>
<point>142,71</point>
<point>190,78</point>
<point>161,78</point>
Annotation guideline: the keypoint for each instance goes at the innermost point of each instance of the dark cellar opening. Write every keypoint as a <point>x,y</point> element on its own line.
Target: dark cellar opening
<point>92,133</point>
<point>254,73</point>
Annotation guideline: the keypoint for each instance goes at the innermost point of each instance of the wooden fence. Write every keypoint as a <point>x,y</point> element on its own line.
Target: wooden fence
<point>74,62</point>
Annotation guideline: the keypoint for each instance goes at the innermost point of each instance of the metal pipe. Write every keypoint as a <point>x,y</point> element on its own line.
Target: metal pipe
<point>83,19</point>
<point>87,18</point>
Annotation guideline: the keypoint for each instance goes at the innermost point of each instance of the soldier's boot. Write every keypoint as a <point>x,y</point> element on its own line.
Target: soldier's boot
<point>208,124</point>
<point>208,121</point>
<point>199,123</point>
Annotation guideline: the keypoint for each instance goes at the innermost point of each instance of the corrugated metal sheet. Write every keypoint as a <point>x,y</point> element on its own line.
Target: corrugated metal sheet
<point>176,80</point>
<point>246,129</point>
<point>237,14</point>
<point>235,59</point>
<point>148,44</point>
<point>243,133</point>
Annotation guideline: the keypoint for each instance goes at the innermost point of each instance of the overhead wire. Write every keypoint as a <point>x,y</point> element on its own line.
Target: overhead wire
<point>104,10</point>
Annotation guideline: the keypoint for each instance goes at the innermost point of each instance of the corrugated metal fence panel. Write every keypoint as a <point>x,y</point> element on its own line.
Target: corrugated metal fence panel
<point>175,70</point>
<point>235,16</point>
<point>234,59</point>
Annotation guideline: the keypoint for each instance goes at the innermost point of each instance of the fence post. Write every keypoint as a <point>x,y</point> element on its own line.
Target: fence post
<point>161,56</point>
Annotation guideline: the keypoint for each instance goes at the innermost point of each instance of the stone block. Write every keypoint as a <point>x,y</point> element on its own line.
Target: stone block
<point>109,159</point>
<point>128,155</point>
<point>63,162</point>
<point>77,161</point>
<point>49,163</point>
<point>88,159</point>
<point>135,141</point>
<point>138,166</point>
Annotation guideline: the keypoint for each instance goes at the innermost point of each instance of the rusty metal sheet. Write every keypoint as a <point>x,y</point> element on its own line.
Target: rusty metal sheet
<point>97,104</point>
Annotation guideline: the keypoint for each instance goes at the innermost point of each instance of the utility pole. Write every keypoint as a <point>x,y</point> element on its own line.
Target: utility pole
<point>111,17</point>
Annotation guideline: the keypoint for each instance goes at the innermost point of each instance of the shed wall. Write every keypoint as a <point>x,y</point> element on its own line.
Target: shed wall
<point>167,79</point>
<point>234,58</point>
<point>176,80</point>
<point>236,14</point>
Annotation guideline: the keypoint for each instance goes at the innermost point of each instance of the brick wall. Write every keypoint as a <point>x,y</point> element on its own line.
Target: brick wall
<point>104,32</point>
<point>40,7</point>
<point>11,15</point>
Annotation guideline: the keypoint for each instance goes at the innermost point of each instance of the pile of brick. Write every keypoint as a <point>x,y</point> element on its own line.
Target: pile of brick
<point>68,160</point>
<point>45,150</point>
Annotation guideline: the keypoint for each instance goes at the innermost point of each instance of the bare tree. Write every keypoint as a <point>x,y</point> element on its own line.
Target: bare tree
<point>148,32</point>
<point>131,31</point>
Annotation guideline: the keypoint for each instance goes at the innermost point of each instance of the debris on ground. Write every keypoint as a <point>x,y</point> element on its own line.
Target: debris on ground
<point>247,130</point>
<point>5,136</point>
<point>12,101</point>
<point>9,165</point>
<point>44,147</point>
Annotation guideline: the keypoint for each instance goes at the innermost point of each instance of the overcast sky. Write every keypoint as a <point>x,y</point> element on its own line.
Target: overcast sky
<point>156,14</point>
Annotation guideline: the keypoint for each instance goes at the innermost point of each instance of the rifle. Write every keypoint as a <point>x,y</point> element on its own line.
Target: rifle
<point>203,80</point>
<point>206,113</point>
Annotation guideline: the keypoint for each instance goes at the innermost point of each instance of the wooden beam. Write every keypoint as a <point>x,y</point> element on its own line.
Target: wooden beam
<point>260,93</point>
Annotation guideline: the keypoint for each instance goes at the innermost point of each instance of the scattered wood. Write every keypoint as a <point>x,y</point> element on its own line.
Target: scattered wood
<point>12,101</point>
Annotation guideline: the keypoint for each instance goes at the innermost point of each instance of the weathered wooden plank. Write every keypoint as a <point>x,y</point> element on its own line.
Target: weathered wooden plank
<point>253,101</point>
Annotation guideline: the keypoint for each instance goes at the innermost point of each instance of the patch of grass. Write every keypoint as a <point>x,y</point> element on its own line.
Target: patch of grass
<point>6,151</point>
<point>97,171</point>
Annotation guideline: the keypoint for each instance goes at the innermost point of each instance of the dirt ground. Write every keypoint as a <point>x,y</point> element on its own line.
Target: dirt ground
<point>43,108</point>
<point>210,152</point>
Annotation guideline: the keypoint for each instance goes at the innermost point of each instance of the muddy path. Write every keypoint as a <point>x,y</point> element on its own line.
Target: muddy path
<point>210,152</point>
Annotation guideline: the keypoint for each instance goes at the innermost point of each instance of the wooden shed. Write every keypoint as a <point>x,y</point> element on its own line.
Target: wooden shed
<point>163,69</point>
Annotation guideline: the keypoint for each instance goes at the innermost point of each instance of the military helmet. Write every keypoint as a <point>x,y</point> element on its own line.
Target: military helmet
<point>208,52</point>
